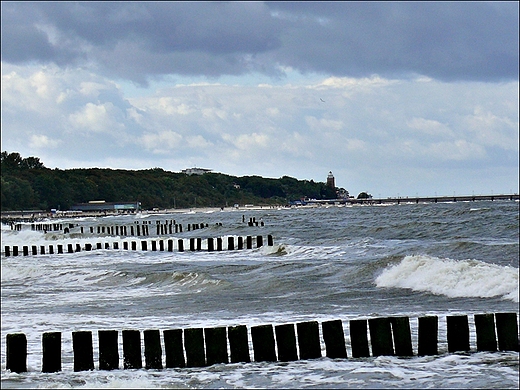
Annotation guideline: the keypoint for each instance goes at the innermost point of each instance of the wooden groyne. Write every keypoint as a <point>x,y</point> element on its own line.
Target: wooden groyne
<point>168,245</point>
<point>199,347</point>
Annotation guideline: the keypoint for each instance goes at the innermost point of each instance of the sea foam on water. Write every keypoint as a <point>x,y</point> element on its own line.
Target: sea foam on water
<point>452,278</point>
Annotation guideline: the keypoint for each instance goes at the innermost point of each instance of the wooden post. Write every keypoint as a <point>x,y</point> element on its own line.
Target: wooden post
<point>161,245</point>
<point>69,248</point>
<point>269,240</point>
<point>240,243</point>
<point>83,354</point>
<point>42,249</point>
<point>249,242</point>
<point>263,343</point>
<point>152,349</point>
<point>51,356</point>
<point>16,352</point>
<point>154,245</point>
<point>334,339</point>
<point>381,336</point>
<point>34,250</point>
<point>259,241</point>
<point>309,340</point>
<point>7,250</point>
<point>286,342</point>
<point>210,245</point>
<point>108,350</point>
<point>216,345</point>
<point>173,348</point>
<point>428,335</point>
<point>15,250</point>
<point>170,245</point>
<point>402,336</point>
<point>358,338</point>
<point>199,243</point>
<point>132,349</point>
<point>192,243</point>
<point>458,333</point>
<point>238,344</point>
<point>485,329</point>
<point>144,245</point>
<point>26,250</point>
<point>507,331</point>
<point>219,243</point>
<point>231,243</point>
<point>194,346</point>
<point>181,245</point>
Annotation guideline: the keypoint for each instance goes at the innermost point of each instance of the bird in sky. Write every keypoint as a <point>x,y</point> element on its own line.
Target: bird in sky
<point>322,100</point>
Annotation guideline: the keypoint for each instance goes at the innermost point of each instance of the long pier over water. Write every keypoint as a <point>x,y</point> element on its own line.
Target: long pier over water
<point>418,199</point>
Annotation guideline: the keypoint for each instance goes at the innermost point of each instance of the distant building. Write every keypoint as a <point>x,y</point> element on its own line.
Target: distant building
<point>330,180</point>
<point>101,205</point>
<point>195,171</point>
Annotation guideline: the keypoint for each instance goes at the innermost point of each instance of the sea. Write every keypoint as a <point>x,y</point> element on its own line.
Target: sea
<point>326,263</point>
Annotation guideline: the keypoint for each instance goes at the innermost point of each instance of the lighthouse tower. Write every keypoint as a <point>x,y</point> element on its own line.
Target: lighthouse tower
<point>330,180</point>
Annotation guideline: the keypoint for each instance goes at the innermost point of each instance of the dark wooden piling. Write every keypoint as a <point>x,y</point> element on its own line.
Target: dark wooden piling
<point>270,240</point>
<point>428,335</point>
<point>286,342</point>
<point>116,245</point>
<point>7,250</point>
<point>144,245</point>
<point>507,331</point>
<point>238,344</point>
<point>194,347</point>
<point>210,245</point>
<point>216,345</point>
<point>192,243</point>
<point>132,349</point>
<point>70,249</point>
<point>240,244</point>
<point>230,243</point>
<point>180,242</point>
<point>259,241</point>
<point>83,353</point>
<point>152,349</point>
<point>458,333</point>
<point>219,243</point>
<point>309,340</point>
<point>381,337</point>
<point>51,249</point>
<point>78,248</point>
<point>249,242</point>
<point>16,352</point>
<point>402,336</point>
<point>34,250</point>
<point>485,329</point>
<point>154,245</point>
<point>108,350</point>
<point>98,245</point>
<point>25,250</point>
<point>334,339</point>
<point>42,249</point>
<point>51,352</point>
<point>134,245</point>
<point>15,250</point>
<point>358,338</point>
<point>170,245</point>
<point>173,348</point>
<point>199,243</point>
<point>161,245</point>
<point>263,343</point>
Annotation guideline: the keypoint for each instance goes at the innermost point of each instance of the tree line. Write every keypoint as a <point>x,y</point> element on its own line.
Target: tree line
<point>26,184</point>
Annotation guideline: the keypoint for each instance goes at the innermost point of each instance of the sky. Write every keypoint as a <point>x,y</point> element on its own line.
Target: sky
<point>395,98</point>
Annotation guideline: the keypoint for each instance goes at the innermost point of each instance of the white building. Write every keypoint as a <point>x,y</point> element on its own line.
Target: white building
<point>195,171</point>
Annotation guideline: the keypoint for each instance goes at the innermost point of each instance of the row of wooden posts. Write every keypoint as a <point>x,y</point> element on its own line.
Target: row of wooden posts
<point>162,227</point>
<point>199,347</point>
<point>195,244</point>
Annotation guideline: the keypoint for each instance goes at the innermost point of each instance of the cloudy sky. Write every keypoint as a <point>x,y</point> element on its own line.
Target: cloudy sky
<point>397,99</point>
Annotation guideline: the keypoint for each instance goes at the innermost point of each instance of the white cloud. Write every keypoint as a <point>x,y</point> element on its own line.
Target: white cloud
<point>43,142</point>
<point>97,118</point>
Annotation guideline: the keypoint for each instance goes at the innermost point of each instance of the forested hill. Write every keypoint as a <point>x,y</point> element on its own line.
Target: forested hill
<point>26,184</point>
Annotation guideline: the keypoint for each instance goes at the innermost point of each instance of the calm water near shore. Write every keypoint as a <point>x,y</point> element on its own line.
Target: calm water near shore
<point>327,263</point>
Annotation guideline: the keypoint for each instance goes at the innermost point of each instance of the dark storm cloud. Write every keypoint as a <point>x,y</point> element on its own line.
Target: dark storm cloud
<point>448,41</point>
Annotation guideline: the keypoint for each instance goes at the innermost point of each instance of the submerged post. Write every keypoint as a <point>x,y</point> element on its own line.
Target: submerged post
<point>16,352</point>
<point>51,348</point>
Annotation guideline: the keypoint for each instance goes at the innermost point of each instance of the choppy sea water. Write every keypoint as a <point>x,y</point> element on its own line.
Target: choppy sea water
<point>327,263</point>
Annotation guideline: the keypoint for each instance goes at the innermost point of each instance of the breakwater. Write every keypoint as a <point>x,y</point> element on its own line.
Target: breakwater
<point>199,347</point>
<point>168,245</point>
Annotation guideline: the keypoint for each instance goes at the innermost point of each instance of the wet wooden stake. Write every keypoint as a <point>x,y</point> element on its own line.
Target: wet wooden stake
<point>51,348</point>
<point>108,350</point>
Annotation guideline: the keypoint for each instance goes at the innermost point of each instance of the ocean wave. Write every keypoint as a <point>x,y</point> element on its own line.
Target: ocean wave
<point>452,278</point>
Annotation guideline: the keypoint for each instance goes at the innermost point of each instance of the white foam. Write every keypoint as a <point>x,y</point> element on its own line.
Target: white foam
<point>452,278</point>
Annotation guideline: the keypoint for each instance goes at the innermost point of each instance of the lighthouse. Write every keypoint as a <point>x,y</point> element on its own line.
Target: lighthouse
<point>330,180</point>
